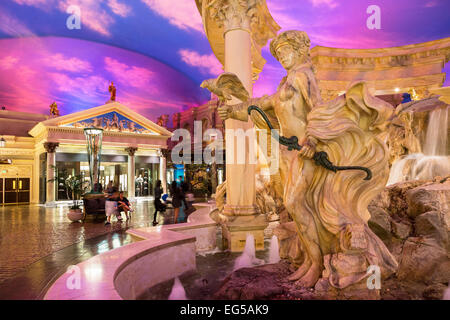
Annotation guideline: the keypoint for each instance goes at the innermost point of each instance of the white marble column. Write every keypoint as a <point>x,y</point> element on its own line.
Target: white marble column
<point>237,30</point>
<point>35,179</point>
<point>131,171</point>
<point>50,147</point>
<point>240,196</point>
<point>162,171</point>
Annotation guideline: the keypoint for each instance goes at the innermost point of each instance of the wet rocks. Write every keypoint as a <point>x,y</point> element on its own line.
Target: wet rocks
<point>380,223</point>
<point>420,259</point>
<point>414,224</point>
<point>434,292</point>
<point>435,197</point>
<point>402,229</point>
<point>254,283</point>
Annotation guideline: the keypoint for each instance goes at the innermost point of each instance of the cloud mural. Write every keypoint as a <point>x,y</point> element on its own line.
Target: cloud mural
<point>156,52</point>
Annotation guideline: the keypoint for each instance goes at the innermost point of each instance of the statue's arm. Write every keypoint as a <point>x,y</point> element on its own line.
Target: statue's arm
<point>239,111</point>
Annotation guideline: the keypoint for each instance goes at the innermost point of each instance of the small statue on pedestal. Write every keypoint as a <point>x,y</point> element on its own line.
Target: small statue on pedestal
<point>54,112</point>
<point>112,91</point>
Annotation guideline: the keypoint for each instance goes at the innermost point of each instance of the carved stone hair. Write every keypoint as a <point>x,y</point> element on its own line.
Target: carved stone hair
<point>299,40</point>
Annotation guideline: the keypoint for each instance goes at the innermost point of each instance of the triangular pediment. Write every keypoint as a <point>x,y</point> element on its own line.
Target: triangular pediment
<point>110,117</point>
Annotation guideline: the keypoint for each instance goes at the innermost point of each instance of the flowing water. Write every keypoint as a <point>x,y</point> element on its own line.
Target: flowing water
<point>274,250</point>
<point>434,161</point>
<point>248,257</point>
<point>212,268</point>
<point>437,133</point>
<point>178,292</point>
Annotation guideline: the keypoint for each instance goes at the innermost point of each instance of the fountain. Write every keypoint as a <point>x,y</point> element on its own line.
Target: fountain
<point>248,257</point>
<point>434,161</point>
<point>178,292</point>
<point>274,250</point>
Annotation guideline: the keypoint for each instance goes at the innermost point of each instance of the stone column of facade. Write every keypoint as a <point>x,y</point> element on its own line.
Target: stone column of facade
<point>163,168</point>
<point>131,171</point>
<point>50,147</point>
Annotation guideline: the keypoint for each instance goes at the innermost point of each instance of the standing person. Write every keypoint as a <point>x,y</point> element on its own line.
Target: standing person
<point>184,190</point>
<point>124,205</point>
<point>176,199</point>
<point>159,206</point>
<point>109,187</point>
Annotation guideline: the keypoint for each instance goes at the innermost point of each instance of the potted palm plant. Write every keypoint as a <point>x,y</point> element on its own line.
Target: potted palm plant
<point>75,185</point>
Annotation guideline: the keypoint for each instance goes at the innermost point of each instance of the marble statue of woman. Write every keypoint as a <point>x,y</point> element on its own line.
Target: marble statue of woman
<point>329,209</point>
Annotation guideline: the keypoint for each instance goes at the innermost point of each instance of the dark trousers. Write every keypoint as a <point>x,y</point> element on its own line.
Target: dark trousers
<point>159,206</point>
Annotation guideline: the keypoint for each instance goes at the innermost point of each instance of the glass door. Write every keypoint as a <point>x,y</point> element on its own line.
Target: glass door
<point>23,191</point>
<point>10,190</point>
<point>16,190</point>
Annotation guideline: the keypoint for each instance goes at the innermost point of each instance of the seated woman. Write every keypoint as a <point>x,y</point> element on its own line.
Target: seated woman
<point>111,205</point>
<point>124,205</point>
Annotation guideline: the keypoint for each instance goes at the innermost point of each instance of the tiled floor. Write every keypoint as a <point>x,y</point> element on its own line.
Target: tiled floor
<point>30,233</point>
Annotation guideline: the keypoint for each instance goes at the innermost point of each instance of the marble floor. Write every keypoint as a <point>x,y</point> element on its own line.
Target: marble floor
<point>38,243</point>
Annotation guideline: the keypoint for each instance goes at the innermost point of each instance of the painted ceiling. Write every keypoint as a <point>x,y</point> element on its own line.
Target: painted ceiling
<point>156,52</point>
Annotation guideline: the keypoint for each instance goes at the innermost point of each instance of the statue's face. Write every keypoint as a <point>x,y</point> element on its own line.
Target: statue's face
<point>287,56</point>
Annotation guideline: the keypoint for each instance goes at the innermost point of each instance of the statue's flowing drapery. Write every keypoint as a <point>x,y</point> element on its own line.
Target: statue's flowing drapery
<point>330,209</point>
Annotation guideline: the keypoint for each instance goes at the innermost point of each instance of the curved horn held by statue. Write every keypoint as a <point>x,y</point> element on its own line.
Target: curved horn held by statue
<point>320,158</point>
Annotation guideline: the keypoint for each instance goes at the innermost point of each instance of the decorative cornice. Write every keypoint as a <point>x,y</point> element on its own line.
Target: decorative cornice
<point>16,152</point>
<point>386,85</point>
<point>428,52</point>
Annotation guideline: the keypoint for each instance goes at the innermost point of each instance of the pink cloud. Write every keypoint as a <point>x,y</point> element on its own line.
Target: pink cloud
<point>93,15</point>
<point>121,9</point>
<point>329,3</point>
<point>31,2</point>
<point>283,17</point>
<point>60,62</point>
<point>23,87</point>
<point>181,13</point>
<point>82,87</point>
<point>8,62</point>
<point>12,26</point>
<point>430,4</point>
<point>207,64</point>
<point>131,75</point>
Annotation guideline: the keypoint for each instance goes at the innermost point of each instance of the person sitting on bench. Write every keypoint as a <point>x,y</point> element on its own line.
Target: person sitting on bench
<point>124,205</point>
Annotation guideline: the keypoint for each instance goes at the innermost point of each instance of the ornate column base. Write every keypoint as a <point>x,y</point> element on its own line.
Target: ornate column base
<point>241,221</point>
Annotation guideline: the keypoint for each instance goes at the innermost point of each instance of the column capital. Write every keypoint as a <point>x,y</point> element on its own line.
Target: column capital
<point>131,151</point>
<point>222,16</point>
<point>164,153</point>
<point>230,15</point>
<point>50,147</point>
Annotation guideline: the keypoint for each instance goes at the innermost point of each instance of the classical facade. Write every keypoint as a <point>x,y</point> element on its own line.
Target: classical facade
<point>414,68</point>
<point>209,118</point>
<point>42,152</point>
